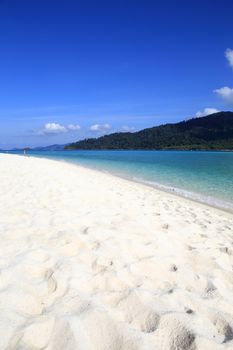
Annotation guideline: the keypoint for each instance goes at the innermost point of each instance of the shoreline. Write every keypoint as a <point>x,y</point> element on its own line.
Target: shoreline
<point>92,261</point>
<point>152,149</point>
<point>192,196</point>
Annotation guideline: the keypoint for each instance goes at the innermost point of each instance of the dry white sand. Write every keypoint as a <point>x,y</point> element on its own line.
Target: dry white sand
<point>92,261</point>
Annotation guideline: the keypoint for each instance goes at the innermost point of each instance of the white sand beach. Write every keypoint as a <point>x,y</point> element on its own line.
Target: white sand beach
<point>91,261</point>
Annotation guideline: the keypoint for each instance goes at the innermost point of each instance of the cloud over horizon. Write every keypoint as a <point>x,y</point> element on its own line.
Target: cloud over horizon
<point>100,127</point>
<point>56,128</point>
<point>73,127</point>
<point>206,111</point>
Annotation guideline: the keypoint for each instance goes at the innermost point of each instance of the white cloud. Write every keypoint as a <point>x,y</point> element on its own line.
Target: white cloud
<point>126,128</point>
<point>206,111</point>
<point>225,93</point>
<point>100,127</point>
<point>73,127</point>
<point>229,56</point>
<point>53,128</point>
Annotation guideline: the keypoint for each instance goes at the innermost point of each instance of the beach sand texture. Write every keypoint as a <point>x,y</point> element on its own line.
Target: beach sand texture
<point>91,261</point>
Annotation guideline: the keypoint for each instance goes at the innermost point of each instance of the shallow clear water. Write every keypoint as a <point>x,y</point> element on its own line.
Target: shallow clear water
<point>205,176</point>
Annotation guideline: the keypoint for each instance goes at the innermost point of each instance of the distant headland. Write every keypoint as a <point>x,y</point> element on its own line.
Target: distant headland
<point>213,132</point>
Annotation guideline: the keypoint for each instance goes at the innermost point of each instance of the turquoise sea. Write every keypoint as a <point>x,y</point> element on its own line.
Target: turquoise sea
<point>203,176</point>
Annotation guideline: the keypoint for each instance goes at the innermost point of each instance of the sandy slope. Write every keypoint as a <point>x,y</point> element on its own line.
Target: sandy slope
<point>91,261</point>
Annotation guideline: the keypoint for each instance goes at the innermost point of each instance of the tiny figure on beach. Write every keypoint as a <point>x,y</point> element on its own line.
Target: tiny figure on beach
<point>25,151</point>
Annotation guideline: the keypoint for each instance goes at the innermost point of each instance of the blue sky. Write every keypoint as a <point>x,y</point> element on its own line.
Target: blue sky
<point>75,69</point>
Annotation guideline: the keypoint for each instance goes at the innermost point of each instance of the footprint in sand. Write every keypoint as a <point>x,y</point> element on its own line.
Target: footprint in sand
<point>138,315</point>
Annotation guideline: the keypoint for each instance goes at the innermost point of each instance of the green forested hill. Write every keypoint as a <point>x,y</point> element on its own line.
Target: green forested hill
<point>208,133</point>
